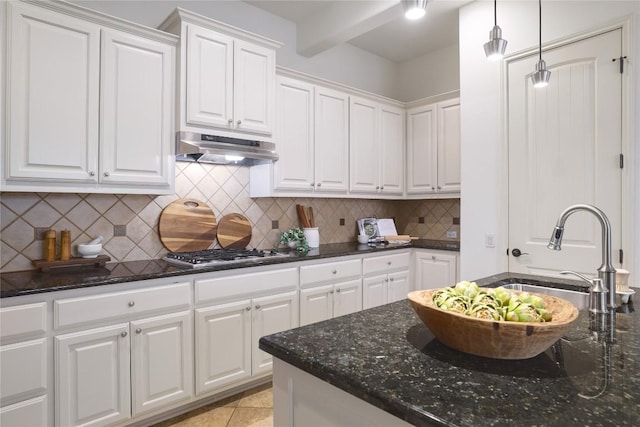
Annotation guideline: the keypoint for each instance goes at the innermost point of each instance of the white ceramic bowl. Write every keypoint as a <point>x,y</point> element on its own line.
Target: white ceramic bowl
<point>89,251</point>
<point>363,239</point>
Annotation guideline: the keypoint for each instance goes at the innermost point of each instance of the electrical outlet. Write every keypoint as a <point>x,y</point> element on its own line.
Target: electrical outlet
<point>452,234</point>
<point>489,240</point>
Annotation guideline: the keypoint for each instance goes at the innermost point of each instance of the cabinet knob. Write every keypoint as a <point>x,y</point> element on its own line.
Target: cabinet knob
<point>338,290</point>
<point>335,272</point>
<point>439,188</point>
<point>248,308</point>
<point>138,330</point>
<point>391,279</point>
<point>330,292</point>
<point>106,174</point>
<point>319,184</point>
<point>239,122</point>
<point>132,303</point>
<point>433,188</point>
<point>382,187</point>
<point>388,262</point>
<point>123,334</point>
<point>92,173</point>
<point>433,257</point>
<point>230,121</point>
<point>377,187</point>
<point>257,306</point>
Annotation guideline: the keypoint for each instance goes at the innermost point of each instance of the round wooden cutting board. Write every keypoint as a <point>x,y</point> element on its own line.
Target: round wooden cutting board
<point>187,225</point>
<point>234,231</point>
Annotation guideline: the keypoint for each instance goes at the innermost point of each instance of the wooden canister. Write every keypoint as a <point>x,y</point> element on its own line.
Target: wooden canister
<point>50,245</point>
<point>65,245</point>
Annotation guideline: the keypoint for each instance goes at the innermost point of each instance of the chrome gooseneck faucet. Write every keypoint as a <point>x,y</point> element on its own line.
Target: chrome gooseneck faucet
<point>606,272</point>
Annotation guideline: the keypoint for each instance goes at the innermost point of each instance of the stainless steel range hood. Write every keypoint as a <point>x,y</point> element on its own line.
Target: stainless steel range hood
<point>203,148</point>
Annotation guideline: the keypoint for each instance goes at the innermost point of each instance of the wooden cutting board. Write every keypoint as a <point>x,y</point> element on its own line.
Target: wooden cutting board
<point>234,231</point>
<point>187,225</point>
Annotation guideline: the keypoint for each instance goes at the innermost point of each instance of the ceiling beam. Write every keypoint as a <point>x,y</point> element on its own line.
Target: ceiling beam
<point>343,21</point>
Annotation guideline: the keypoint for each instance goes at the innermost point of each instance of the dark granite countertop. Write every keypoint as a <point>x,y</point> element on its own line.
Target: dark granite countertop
<point>33,281</point>
<point>387,357</point>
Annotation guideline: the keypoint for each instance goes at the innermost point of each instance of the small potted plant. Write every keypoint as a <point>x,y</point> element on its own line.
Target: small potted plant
<point>295,239</point>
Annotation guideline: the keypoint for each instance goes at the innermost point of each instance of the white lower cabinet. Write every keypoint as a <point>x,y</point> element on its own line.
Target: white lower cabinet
<point>433,269</point>
<point>386,279</point>
<point>109,374</point>
<point>329,301</point>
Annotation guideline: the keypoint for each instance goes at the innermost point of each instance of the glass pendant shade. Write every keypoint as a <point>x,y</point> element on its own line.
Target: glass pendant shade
<point>414,9</point>
<point>541,76</point>
<point>495,47</point>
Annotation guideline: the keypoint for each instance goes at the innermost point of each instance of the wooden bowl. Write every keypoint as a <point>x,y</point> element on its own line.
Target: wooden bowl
<point>491,338</point>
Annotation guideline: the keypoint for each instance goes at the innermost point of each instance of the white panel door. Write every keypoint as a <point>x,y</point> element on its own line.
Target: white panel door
<point>254,87</point>
<point>331,140</point>
<point>209,67</point>
<point>23,369</point>
<point>391,146</point>
<point>398,286</point>
<point>162,361</point>
<point>565,142</point>
<point>28,413</point>
<point>347,297</point>
<point>422,149</point>
<point>433,270</point>
<point>374,291</point>
<point>449,146</point>
<point>275,313</point>
<point>223,345</point>
<point>136,104</point>
<point>53,96</point>
<point>294,135</point>
<point>93,379</point>
<point>363,143</point>
<point>316,304</point>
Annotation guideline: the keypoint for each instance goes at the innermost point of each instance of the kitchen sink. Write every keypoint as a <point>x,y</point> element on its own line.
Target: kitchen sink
<point>579,299</point>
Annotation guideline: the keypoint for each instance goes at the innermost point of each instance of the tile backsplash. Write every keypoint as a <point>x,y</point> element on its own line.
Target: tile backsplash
<point>129,223</point>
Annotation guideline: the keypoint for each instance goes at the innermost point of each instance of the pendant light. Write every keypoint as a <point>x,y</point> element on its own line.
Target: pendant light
<point>540,77</point>
<point>414,9</point>
<point>495,47</point>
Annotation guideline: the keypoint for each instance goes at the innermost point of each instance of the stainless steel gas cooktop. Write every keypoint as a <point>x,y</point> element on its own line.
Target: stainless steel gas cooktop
<point>210,257</point>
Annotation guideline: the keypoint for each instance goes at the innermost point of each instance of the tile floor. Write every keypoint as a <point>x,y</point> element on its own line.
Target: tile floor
<point>252,408</point>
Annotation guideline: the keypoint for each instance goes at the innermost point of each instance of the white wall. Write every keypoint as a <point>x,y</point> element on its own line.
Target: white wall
<point>431,74</point>
<point>344,64</point>
<point>484,173</point>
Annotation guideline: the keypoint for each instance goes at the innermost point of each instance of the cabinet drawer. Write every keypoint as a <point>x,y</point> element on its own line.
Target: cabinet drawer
<point>310,274</point>
<point>23,367</point>
<point>29,413</point>
<point>72,311</point>
<point>23,320</point>
<point>385,263</point>
<point>245,284</point>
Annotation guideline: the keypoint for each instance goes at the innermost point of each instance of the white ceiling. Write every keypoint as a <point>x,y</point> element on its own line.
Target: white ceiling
<point>377,26</point>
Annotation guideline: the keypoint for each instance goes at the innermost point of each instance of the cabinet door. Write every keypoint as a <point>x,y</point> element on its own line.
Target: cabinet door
<point>28,413</point>
<point>23,369</point>
<point>347,297</point>
<point>316,304</point>
<point>422,149</point>
<point>209,91</point>
<point>449,146</point>
<point>254,87</point>
<point>294,136</point>
<point>162,363</point>
<point>93,376</point>
<point>363,141</point>
<point>52,96</point>
<point>136,105</point>
<point>271,314</point>
<point>223,345</point>
<point>331,140</point>
<point>391,143</point>
<point>433,270</point>
<point>374,291</point>
<point>399,286</point>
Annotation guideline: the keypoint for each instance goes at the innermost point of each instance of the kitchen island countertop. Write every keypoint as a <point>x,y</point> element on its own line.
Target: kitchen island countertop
<point>33,281</point>
<point>388,358</point>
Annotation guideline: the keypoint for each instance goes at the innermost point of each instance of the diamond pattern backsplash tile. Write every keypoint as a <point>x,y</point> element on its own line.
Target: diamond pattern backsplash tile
<point>224,188</point>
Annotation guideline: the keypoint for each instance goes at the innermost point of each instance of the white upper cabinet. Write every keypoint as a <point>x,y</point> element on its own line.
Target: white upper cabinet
<point>377,148</point>
<point>433,148</point>
<point>89,104</point>
<point>228,78</point>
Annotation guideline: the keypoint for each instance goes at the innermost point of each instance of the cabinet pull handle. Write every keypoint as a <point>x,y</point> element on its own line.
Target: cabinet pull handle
<point>248,308</point>
<point>335,271</point>
<point>123,334</point>
<point>92,173</point>
<point>257,306</point>
<point>106,174</point>
<point>132,303</point>
<point>138,330</point>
